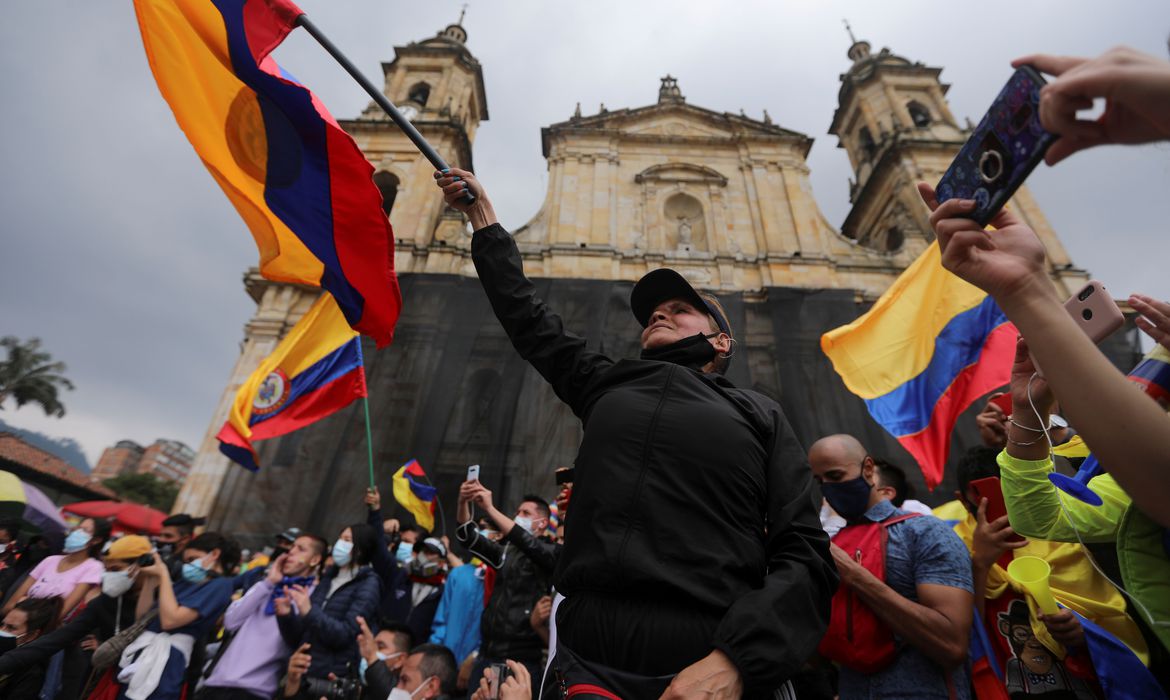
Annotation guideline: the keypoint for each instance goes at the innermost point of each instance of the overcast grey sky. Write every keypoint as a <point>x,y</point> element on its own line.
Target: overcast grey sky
<point>124,256</point>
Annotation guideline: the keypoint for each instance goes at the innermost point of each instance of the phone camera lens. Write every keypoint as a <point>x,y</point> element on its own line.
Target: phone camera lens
<point>1087,314</point>
<point>990,166</point>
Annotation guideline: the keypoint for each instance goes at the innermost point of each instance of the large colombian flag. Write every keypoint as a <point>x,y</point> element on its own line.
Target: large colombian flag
<point>301,184</point>
<point>415,496</point>
<point>929,347</point>
<point>315,371</point>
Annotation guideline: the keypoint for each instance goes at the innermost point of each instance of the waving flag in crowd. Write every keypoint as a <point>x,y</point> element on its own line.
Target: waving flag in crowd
<point>414,495</point>
<point>301,184</point>
<point>315,371</point>
<point>929,347</point>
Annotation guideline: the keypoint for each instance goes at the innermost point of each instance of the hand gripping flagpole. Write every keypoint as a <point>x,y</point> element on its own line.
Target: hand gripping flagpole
<point>382,101</point>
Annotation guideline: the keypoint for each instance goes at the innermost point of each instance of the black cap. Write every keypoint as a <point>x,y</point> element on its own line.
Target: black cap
<point>665,284</point>
<point>290,535</point>
<point>435,545</point>
<point>183,519</point>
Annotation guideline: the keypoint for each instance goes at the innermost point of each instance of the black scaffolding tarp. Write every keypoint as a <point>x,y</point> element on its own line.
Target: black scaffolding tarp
<point>451,391</point>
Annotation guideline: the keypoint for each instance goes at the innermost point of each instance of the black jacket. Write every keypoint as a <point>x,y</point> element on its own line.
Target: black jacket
<point>686,487</point>
<point>98,618</point>
<point>525,565</point>
<point>331,626</point>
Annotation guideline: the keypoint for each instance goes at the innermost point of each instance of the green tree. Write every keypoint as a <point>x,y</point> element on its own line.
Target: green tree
<point>146,489</point>
<point>29,375</point>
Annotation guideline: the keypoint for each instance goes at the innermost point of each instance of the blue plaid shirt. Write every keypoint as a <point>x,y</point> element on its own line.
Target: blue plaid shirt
<point>919,550</point>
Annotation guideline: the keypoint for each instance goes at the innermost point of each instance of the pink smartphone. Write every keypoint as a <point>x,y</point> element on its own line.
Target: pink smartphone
<point>1094,311</point>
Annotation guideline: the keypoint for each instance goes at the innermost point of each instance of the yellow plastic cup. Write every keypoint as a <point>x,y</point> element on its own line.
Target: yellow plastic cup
<point>1032,573</point>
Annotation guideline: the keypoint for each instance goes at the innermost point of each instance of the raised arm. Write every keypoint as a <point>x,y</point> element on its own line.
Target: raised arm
<point>1128,431</point>
<point>535,331</point>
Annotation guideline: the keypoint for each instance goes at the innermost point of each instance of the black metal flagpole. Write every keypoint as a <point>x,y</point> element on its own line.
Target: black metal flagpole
<point>387,106</point>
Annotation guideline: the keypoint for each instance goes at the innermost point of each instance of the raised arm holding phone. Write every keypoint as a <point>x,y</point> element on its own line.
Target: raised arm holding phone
<point>1128,432</point>
<point>696,563</point>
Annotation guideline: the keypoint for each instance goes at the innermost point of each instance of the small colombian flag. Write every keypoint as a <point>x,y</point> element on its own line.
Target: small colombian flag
<point>415,496</point>
<point>315,371</point>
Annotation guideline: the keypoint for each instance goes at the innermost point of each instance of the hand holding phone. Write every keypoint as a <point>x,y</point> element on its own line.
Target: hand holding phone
<point>1095,313</point>
<point>1002,151</point>
<point>990,489</point>
<point>473,473</point>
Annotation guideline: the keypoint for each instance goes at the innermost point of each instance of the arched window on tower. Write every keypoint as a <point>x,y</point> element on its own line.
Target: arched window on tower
<point>387,184</point>
<point>419,94</point>
<point>867,145</point>
<point>919,114</point>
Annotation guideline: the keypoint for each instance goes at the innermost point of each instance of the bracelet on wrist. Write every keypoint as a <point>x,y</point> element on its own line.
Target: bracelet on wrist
<point>1026,444</point>
<point>1028,428</point>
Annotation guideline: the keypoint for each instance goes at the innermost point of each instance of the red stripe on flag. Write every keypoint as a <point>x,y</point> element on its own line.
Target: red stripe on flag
<point>314,405</point>
<point>267,23</point>
<point>368,262</point>
<point>930,446</point>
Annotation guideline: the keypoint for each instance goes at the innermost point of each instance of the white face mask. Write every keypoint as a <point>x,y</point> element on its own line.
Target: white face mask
<point>116,583</point>
<point>3,547</point>
<point>403,694</point>
<point>524,523</point>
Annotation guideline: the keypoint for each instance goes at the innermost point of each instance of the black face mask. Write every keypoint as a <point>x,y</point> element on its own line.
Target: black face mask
<point>7,644</point>
<point>694,352</point>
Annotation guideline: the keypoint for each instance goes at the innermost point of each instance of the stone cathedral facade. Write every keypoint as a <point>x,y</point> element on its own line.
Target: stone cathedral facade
<point>723,198</point>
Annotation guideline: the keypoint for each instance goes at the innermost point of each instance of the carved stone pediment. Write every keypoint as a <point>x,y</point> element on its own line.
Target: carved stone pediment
<point>681,172</point>
<point>676,126</point>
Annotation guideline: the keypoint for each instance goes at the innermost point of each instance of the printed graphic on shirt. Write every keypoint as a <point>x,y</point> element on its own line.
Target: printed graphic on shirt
<point>1033,670</point>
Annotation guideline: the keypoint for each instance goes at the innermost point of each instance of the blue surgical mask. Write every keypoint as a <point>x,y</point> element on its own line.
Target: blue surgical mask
<point>342,552</point>
<point>849,498</point>
<point>404,552</point>
<point>363,665</point>
<point>76,541</point>
<point>524,523</point>
<point>194,572</point>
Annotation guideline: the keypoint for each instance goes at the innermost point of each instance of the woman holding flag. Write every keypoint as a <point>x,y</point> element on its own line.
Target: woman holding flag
<point>677,467</point>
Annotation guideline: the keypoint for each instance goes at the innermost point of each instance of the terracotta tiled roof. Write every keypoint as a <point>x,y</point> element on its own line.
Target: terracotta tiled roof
<point>17,450</point>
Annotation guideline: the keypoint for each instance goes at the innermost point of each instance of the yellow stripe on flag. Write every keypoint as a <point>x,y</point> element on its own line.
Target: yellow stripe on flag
<point>895,340</point>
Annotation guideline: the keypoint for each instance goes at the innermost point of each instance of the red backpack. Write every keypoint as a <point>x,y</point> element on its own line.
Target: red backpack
<point>857,638</point>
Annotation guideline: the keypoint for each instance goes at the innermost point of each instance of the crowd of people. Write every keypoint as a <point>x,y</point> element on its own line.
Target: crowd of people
<point>700,551</point>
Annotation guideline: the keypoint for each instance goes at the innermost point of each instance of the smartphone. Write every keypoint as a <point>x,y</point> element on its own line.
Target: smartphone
<point>1006,146</point>
<point>1004,401</point>
<point>989,488</point>
<point>500,673</point>
<point>565,475</point>
<point>473,473</point>
<point>1094,311</point>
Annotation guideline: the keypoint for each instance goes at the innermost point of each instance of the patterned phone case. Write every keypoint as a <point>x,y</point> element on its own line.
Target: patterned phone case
<point>1008,143</point>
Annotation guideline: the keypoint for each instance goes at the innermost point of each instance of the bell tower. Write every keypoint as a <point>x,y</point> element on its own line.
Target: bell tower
<point>894,123</point>
<point>438,84</point>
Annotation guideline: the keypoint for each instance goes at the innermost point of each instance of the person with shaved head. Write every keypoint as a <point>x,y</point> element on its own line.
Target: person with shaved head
<point>925,595</point>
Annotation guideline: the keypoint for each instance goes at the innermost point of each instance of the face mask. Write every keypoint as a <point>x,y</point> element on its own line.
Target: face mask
<point>76,541</point>
<point>363,665</point>
<point>8,641</point>
<point>165,549</point>
<point>524,523</point>
<point>116,583</point>
<point>694,352</point>
<point>404,551</point>
<point>421,566</point>
<point>3,547</point>
<point>403,694</point>
<point>849,498</point>
<point>194,572</point>
<point>342,552</point>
